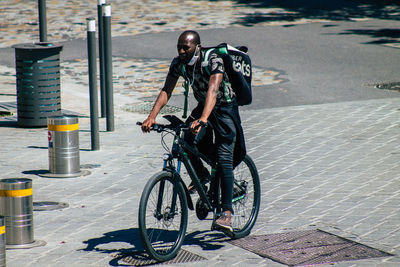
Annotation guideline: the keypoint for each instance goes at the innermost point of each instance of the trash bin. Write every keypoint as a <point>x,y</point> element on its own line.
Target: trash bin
<point>38,83</point>
<point>63,137</point>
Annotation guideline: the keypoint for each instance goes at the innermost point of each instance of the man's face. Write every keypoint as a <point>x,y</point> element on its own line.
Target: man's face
<point>186,48</point>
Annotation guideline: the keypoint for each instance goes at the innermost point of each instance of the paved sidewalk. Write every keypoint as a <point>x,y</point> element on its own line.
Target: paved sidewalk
<point>333,167</point>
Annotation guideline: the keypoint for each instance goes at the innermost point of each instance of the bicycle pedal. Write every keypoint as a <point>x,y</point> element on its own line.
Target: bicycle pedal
<point>223,230</point>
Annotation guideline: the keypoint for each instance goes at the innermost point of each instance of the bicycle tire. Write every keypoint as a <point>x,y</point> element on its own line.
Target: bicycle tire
<point>245,215</point>
<point>162,237</point>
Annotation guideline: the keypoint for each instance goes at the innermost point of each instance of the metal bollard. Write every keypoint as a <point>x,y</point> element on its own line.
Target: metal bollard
<point>94,106</point>
<point>42,20</point>
<point>17,208</point>
<point>108,68</point>
<point>2,242</point>
<point>63,137</point>
<point>100,4</point>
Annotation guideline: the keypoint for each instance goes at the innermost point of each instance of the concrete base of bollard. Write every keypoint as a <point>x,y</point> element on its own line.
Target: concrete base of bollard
<point>36,243</point>
<point>69,175</point>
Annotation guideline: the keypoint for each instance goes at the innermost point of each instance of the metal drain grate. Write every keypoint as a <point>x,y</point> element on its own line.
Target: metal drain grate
<point>90,166</point>
<point>307,247</point>
<point>49,205</point>
<point>389,86</point>
<point>146,107</point>
<point>143,259</point>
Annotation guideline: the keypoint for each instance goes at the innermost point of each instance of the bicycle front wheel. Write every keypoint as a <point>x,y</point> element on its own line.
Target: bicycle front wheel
<point>163,216</point>
<point>246,197</point>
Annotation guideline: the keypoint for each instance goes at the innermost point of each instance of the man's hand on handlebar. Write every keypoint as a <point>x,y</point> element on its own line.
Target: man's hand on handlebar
<point>196,126</point>
<point>147,124</point>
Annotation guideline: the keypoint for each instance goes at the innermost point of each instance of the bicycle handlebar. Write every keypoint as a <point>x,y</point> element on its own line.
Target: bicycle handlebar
<point>161,127</point>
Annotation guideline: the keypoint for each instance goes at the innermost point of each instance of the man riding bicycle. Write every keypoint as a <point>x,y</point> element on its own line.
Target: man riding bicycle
<point>216,105</point>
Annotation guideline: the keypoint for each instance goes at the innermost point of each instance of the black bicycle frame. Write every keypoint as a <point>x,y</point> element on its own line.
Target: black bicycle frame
<point>183,148</point>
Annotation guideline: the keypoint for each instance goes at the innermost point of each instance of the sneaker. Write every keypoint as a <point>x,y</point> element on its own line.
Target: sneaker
<point>223,222</point>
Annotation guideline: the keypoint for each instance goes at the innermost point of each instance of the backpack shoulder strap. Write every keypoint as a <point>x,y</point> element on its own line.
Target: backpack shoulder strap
<point>221,49</point>
<point>204,63</point>
<point>186,93</point>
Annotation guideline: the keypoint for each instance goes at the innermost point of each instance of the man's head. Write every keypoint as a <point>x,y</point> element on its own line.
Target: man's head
<point>188,44</point>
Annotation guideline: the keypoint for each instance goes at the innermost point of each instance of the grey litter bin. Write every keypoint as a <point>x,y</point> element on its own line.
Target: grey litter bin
<point>63,137</point>
<point>38,83</point>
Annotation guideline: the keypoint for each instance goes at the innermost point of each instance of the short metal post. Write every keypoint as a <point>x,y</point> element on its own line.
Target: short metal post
<point>2,242</point>
<point>94,107</point>
<point>17,208</point>
<point>108,67</point>
<point>63,136</point>
<point>101,57</point>
<point>42,21</point>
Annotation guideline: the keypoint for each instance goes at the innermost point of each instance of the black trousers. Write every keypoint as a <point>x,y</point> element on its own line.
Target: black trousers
<point>221,149</point>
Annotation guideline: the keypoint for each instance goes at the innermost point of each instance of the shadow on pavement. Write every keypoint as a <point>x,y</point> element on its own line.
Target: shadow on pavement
<point>130,236</point>
<point>9,123</point>
<point>205,239</point>
<point>384,36</point>
<point>322,10</point>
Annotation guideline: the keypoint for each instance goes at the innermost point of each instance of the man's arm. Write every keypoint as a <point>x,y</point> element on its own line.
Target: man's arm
<point>211,99</point>
<point>161,101</point>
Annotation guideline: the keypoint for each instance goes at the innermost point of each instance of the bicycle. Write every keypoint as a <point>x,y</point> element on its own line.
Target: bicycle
<point>163,208</point>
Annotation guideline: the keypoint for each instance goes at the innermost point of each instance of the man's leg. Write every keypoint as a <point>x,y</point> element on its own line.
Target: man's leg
<point>205,146</point>
<point>225,150</point>
<point>225,160</point>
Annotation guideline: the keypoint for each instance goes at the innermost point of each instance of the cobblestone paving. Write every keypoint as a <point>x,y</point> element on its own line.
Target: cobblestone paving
<point>67,19</point>
<point>134,78</point>
<point>333,167</point>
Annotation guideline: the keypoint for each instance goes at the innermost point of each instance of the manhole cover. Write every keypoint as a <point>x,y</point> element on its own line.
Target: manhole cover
<point>90,166</point>
<point>146,107</point>
<point>49,205</point>
<point>307,247</point>
<point>142,259</point>
<point>389,86</point>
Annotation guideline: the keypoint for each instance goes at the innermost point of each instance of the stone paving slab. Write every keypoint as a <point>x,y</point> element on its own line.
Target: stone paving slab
<point>332,167</point>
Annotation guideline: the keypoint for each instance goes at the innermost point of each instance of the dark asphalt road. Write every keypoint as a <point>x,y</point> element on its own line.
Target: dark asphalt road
<point>320,62</point>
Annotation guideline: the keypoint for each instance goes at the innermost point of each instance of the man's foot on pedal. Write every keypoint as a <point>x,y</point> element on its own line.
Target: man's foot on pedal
<point>223,223</point>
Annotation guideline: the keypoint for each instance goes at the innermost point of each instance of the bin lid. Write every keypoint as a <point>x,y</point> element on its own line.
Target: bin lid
<point>37,46</point>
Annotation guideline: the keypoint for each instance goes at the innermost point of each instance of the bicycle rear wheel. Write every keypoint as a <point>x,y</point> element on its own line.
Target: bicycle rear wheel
<point>162,229</point>
<point>246,197</point>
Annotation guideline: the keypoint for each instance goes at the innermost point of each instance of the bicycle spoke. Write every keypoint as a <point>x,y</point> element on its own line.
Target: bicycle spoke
<point>245,201</point>
<point>162,229</point>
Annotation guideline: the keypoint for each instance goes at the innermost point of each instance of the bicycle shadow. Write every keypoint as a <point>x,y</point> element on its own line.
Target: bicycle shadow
<point>110,243</point>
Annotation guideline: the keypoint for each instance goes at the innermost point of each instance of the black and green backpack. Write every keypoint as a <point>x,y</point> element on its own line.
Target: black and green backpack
<point>237,65</point>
